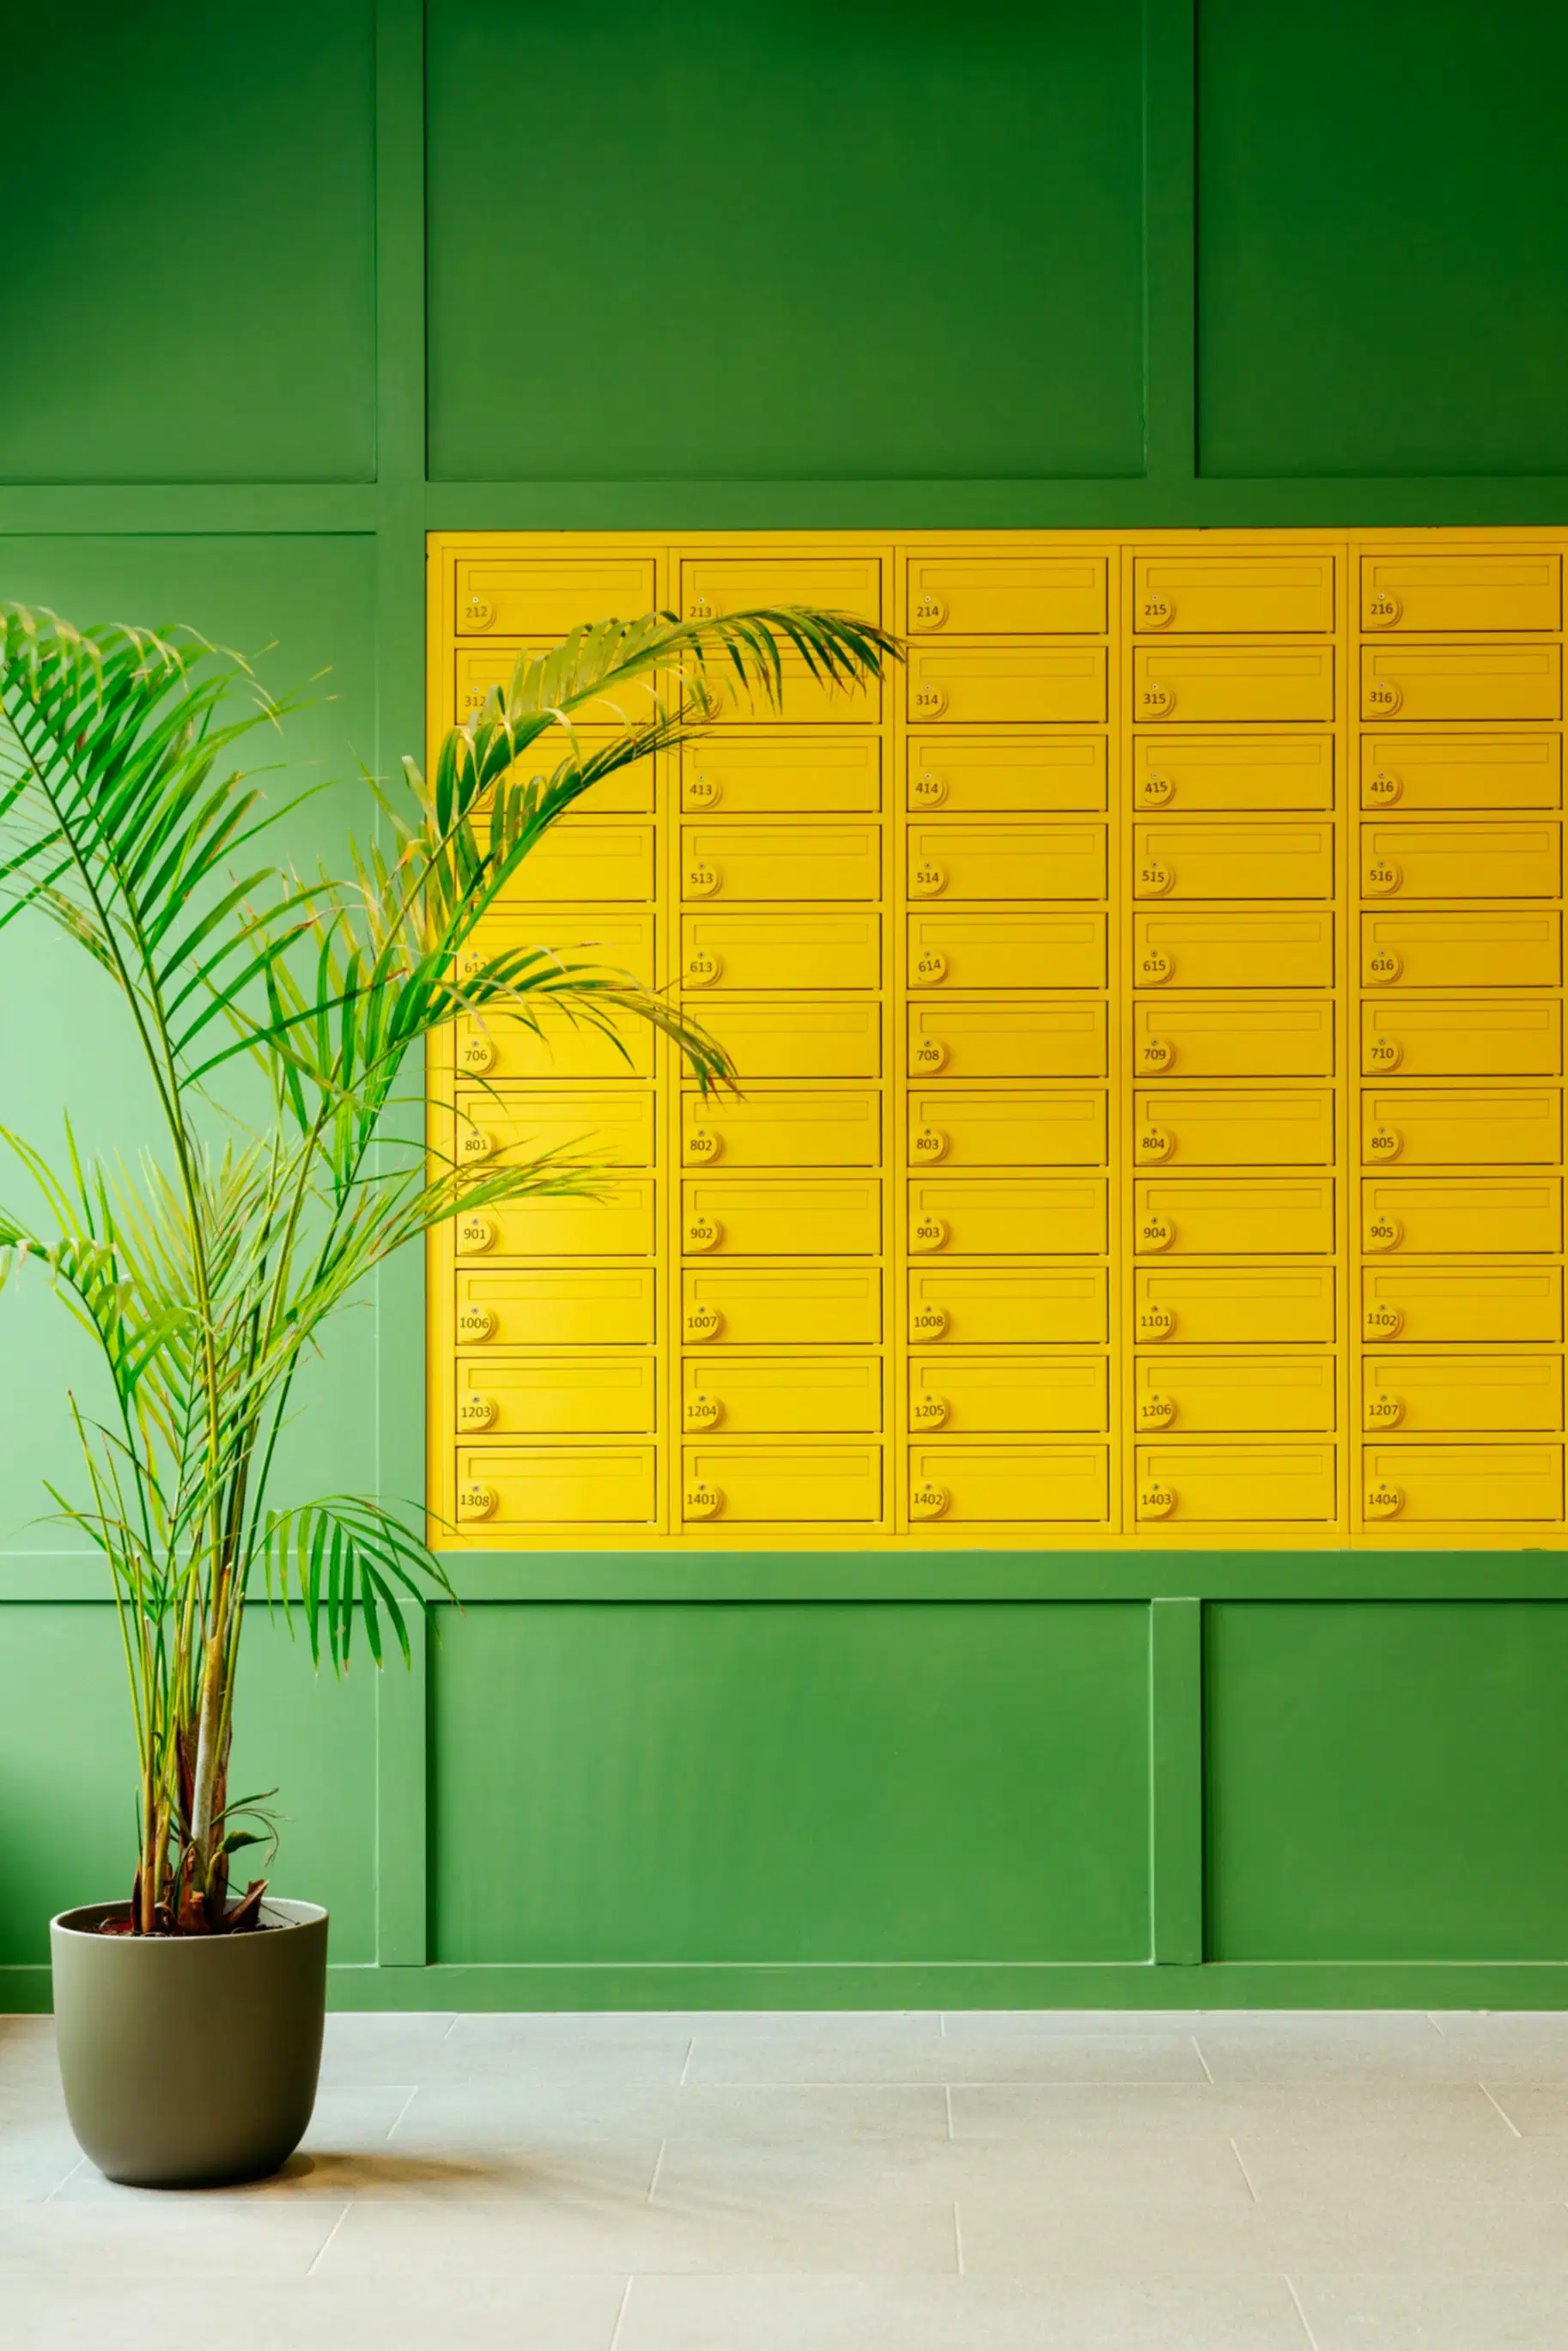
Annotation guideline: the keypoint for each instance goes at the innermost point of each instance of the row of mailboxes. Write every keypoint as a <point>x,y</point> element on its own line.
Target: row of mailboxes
<point>585,864</point>
<point>537,1487</point>
<point>1177,682</point>
<point>1039,774</point>
<point>1175,1303</point>
<point>1241,1127</point>
<point>1030,1215</point>
<point>952,1395</point>
<point>996,591</point>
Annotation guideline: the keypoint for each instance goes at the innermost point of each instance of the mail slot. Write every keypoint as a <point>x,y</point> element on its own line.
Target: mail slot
<point>965,1039</point>
<point>1181,1305</point>
<point>969,685</point>
<point>1441,682</point>
<point>783,1039</point>
<point>964,1305</point>
<point>546,596</point>
<point>1006,861</point>
<point>1001,1216</point>
<point>998,593</point>
<point>1243,1395</point>
<point>1461,1216</point>
<point>1438,772</point>
<point>1461,861</point>
<point>615,1128</point>
<point>1461,594</point>
<point>747,1215</point>
<point>1456,1037</point>
<point>1461,1485</point>
<point>999,1485</point>
<point>783,1485</point>
<point>1421,1304</point>
<point>1233,860</point>
<point>1224,1037</point>
<point>1487,947</point>
<point>953,950</point>
<point>807,950</point>
<point>1274,774</point>
<point>1242,594</point>
<point>1005,1395</point>
<point>1216,1485</point>
<point>732,1304</point>
<point>1006,775</point>
<point>809,861</point>
<point>1178,947</point>
<point>556,1305</point>
<point>1234,1129</point>
<point>1430,1396</point>
<point>1252,684</point>
<point>781,1395</point>
<point>1496,1127</point>
<point>789,775</point>
<point>1036,1129</point>
<point>781,1130</point>
<point>529,1488</point>
<point>1198,1216</point>
<point>611,1394</point>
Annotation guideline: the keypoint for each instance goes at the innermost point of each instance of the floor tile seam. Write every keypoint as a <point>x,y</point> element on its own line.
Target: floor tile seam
<point>1301,2312</point>
<point>323,2248</point>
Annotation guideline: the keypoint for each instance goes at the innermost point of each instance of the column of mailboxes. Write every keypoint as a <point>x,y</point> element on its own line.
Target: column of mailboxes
<point>1006,877</point>
<point>557,1307</point>
<point>782,1228</point>
<point>1460,1224</point>
<point>1233,1312</point>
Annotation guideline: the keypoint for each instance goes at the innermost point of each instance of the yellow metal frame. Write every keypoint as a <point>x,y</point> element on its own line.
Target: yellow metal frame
<point>1504,1461</point>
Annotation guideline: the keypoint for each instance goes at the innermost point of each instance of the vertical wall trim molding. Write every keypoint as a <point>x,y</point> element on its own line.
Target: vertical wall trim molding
<point>1176,1780</point>
<point>1170,250</point>
<point>401,1751</point>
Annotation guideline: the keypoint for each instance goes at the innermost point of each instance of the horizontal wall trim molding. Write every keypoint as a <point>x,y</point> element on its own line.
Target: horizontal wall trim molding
<point>951,1984</point>
<point>616,1578</point>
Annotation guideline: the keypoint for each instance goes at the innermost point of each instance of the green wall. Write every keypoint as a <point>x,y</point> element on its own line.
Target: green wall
<point>287,287</point>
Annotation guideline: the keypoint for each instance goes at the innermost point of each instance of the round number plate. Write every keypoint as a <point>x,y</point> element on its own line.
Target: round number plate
<point>701,1500</point>
<point>475,1500</point>
<point>927,1233</point>
<point>928,879</point>
<point>1383,968</point>
<point>1156,1500</point>
<point>927,1411</point>
<point>927,1500</point>
<point>476,1412</point>
<point>704,1322</point>
<point>1154,1143</point>
<point>927,791</point>
<point>1383,1501</point>
<point>703,1412</point>
<point>930,968</point>
<point>703,967</point>
<point>928,1322</point>
<point>927,1143</point>
<point>703,1233</point>
<point>475,1234</point>
<point>703,1146</point>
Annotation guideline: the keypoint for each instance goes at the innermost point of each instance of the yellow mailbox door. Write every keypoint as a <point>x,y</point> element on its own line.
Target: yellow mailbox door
<point>1000,774</point>
<point>981,686</point>
<point>726,1215</point>
<point>612,1393</point>
<point>1005,1485</point>
<point>1242,1395</point>
<point>1437,772</point>
<point>996,593</point>
<point>1464,947</point>
<point>760,863</point>
<point>1461,861</point>
<point>1218,1485</point>
<point>997,1129</point>
<point>1432,1395</point>
<point>781,1485</point>
<point>781,1395</point>
<point>957,1395</point>
<point>542,598</point>
<point>966,1037</point>
<point>1002,1216</point>
<point>950,950</point>
<point>1458,1485</point>
<point>1233,860</point>
<point>1501,1127</point>
<point>587,861</point>
<point>958,1304</point>
<point>556,1305</point>
<point>1233,948</point>
<point>1499,1037</point>
<point>776,1129</point>
<point>1240,1128</point>
<point>1220,1037</point>
<point>1226,774</point>
<point>783,1039</point>
<point>614,1127</point>
<point>1008,862</point>
<point>1462,1215</point>
<point>1200,686</point>
<point>1241,594</point>
<point>1197,1216</point>
<point>807,950</point>
<point>791,775</point>
<point>1459,1305</point>
<point>799,1304</point>
<point>528,1488</point>
<point>1181,1305</point>
<point>1462,593</point>
<point>1443,682</point>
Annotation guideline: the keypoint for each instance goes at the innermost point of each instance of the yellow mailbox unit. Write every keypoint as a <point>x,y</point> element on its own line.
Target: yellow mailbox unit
<point>1147,1007</point>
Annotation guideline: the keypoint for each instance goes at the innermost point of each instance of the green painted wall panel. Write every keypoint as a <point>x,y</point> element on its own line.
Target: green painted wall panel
<point>186,282</point>
<point>785,242</point>
<point>1386,1782</point>
<point>68,1773</point>
<point>303,610</point>
<point>764,1783</point>
<point>1383,267</point>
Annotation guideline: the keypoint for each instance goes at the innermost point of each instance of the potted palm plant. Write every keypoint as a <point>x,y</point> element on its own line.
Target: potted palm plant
<point>190,2009</point>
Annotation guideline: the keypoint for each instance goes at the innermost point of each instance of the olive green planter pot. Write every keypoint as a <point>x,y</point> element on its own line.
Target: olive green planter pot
<point>189,2061</point>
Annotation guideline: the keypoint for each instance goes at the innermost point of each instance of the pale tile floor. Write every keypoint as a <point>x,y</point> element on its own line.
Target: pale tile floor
<point>1034,2182</point>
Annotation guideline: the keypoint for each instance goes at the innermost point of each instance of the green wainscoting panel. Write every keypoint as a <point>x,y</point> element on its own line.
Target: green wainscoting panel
<point>890,240</point>
<point>1387,1781</point>
<point>759,1783</point>
<point>68,1773</point>
<point>187,280</point>
<point>1382,193</point>
<point>302,609</point>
